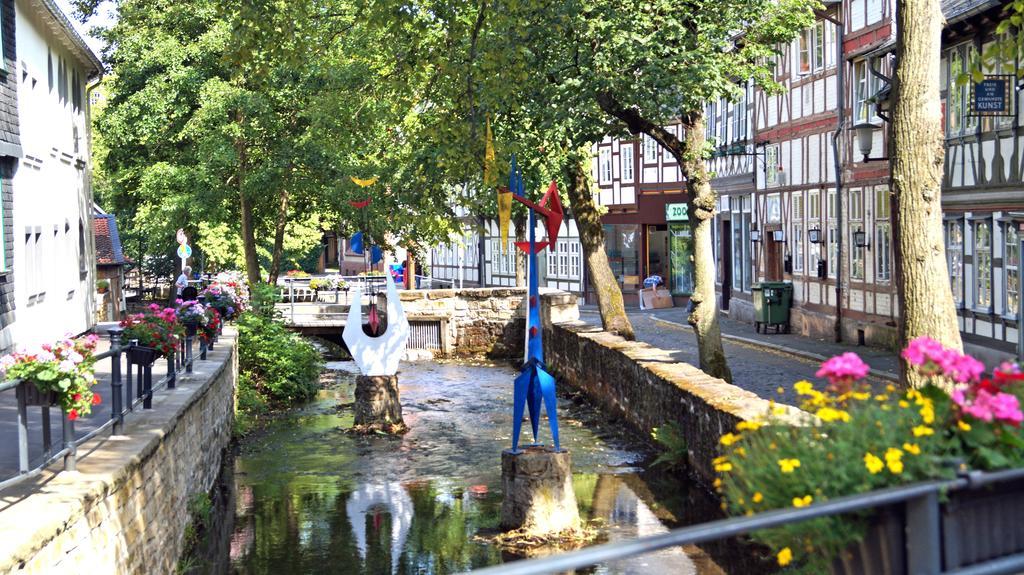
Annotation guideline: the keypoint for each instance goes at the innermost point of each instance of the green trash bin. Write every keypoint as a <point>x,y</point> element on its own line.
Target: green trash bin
<point>772,301</point>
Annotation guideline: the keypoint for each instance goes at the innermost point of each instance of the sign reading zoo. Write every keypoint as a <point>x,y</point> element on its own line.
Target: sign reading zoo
<point>993,96</point>
<point>676,212</point>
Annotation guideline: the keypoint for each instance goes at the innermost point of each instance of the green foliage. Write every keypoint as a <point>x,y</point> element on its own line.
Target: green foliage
<point>676,454</point>
<point>280,366</point>
<point>263,297</point>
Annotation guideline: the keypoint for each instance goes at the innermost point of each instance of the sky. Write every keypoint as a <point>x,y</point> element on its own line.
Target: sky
<point>106,16</point>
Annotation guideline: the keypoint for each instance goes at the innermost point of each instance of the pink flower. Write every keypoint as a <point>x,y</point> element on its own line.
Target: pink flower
<point>843,369</point>
<point>989,407</point>
<point>931,358</point>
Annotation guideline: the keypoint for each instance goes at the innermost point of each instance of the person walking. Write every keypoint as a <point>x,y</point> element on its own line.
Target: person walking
<point>182,281</point>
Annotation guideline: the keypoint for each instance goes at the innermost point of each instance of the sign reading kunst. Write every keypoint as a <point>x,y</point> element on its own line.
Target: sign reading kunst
<point>993,96</point>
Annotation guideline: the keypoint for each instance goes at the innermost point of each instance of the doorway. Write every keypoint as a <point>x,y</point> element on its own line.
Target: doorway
<point>726,251</point>
<point>773,265</point>
<point>657,252</point>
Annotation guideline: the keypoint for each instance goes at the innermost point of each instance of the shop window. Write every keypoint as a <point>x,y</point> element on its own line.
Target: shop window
<point>955,259</point>
<point>681,258</point>
<point>983,265</point>
<point>621,242</point>
<point>1011,268</point>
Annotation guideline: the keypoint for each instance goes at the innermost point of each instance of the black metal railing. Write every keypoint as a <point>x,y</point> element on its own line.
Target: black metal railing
<point>125,396</point>
<point>924,543</point>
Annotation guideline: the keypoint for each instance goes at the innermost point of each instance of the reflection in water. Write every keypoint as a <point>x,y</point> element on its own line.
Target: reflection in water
<point>371,502</point>
<point>312,499</point>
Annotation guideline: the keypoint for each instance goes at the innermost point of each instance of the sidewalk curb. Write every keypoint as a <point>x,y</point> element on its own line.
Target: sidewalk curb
<point>779,348</point>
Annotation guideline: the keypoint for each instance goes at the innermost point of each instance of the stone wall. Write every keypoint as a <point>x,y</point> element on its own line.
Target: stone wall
<point>474,322</point>
<point>125,510</point>
<point>646,388</point>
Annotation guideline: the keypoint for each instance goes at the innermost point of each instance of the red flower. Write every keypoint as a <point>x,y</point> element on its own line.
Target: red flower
<point>77,397</point>
<point>95,399</point>
<point>73,415</point>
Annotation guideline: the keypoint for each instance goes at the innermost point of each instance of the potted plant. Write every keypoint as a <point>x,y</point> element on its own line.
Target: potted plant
<point>156,332</point>
<point>211,327</point>
<point>57,374</point>
<point>102,286</point>
<point>856,439</point>
<point>223,298</point>
<point>192,315</point>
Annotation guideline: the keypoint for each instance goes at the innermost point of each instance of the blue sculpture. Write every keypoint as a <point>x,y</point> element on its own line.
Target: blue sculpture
<point>534,383</point>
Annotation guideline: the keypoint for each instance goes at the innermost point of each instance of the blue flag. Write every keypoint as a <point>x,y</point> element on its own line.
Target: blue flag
<point>375,255</point>
<point>356,243</point>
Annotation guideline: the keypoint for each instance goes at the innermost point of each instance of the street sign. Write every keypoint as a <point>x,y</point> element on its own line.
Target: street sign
<point>676,212</point>
<point>184,251</point>
<point>993,96</point>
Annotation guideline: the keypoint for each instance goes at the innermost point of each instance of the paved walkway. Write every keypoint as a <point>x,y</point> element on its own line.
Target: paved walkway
<point>759,362</point>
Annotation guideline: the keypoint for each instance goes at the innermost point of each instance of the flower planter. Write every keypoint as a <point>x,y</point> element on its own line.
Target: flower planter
<point>35,397</point>
<point>142,355</point>
<point>191,327</point>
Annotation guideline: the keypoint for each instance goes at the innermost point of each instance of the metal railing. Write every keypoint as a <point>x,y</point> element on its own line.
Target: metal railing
<point>122,402</point>
<point>297,290</point>
<point>923,544</point>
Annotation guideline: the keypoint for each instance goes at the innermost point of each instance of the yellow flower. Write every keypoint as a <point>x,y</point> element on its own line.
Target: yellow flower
<point>890,388</point>
<point>904,404</point>
<point>729,438</point>
<point>963,425</point>
<point>803,387</point>
<point>785,556</point>
<point>778,410</point>
<point>828,414</point>
<point>861,395</point>
<point>718,483</point>
<point>740,451</point>
<point>921,430</point>
<point>780,390</point>
<point>893,459</point>
<point>722,466</point>
<point>873,463</point>
<point>802,501</point>
<point>928,413</point>
<point>788,465</point>
<point>748,426</point>
<point>757,498</point>
<point>772,446</point>
<point>881,397</point>
<point>912,448</point>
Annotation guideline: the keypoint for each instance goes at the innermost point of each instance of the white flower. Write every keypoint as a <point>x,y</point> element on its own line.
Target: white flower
<point>67,366</point>
<point>75,357</point>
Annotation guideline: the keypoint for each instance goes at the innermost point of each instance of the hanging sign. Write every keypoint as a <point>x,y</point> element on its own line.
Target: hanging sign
<point>676,212</point>
<point>993,96</point>
<point>184,251</point>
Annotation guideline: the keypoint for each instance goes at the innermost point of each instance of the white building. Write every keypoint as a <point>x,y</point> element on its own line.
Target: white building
<point>49,252</point>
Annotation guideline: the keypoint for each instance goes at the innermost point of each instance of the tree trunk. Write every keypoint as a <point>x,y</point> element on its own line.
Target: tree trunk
<point>702,203</point>
<point>248,232</point>
<point>279,227</point>
<point>925,295</point>
<point>588,220</point>
<point>520,255</point>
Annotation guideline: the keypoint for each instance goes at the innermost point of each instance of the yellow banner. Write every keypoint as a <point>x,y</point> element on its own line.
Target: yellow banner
<point>504,216</point>
<point>363,183</point>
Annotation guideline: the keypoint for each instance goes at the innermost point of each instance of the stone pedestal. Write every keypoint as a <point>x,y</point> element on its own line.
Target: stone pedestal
<point>539,498</point>
<point>377,405</point>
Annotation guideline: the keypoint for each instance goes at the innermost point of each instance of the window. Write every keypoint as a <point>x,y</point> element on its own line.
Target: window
<point>1011,268</point>
<point>739,117</point>
<point>741,264</point>
<point>605,164</point>
<point>813,223</point>
<point>798,232</point>
<point>771,164</point>
<point>955,259</point>
<point>723,121</point>
<point>650,150</point>
<point>709,126</point>
<point>626,154</point>
<point>621,243</point>
<point>833,236</point>
<point>983,264</point>
<point>3,233</point>
<point>883,236</point>
<point>856,225</point>
<point>958,122</point>
<point>82,256</point>
<point>819,45</point>
<point>805,40</point>
<point>814,43</point>
<point>865,86</point>
<point>830,44</point>
<point>1000,64</point>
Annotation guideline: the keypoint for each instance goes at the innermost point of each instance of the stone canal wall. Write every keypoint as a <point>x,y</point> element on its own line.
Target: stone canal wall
<point>645,387</point>
<point>481,321</point>
<point>126,508</point>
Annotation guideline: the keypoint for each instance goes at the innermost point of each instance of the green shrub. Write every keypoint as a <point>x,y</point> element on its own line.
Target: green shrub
<point>278,365</point>
<point>263,297</point>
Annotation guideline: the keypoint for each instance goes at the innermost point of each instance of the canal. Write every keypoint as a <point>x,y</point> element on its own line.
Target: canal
<point>305,496</point>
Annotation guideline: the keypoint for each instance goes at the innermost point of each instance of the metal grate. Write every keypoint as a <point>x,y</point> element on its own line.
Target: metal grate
<point>425,335</point>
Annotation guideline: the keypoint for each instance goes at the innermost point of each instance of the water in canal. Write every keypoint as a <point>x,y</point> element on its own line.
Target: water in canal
<point>303,496</point>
